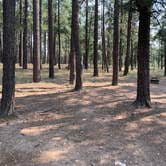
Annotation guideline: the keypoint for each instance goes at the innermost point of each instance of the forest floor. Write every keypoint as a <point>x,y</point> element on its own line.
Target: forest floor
<point>97,126</point>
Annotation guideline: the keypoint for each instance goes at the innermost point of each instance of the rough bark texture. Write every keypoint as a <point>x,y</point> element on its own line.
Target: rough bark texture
<point>9,58</point>
<point>116,44</point>
<point>95,56</point>
<point>127,58</point>
<point>76,42</point>
<point>143,82</point>
<point>36,41</point>
<point>50,40</point>
<point>25,35</point>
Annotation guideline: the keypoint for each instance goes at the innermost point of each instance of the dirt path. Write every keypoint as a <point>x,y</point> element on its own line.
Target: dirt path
<point>95,127</point>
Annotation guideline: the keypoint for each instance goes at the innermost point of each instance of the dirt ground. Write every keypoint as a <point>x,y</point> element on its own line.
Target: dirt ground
<point>97,126</point>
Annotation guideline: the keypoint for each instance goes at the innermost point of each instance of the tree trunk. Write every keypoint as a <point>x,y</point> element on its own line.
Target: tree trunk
<point>132,55</point>
<point>25,36</point>
<point>105,61</point>
<point>116,44</point>
<point>50,40</point>
<point>59,37</point>
<point>1,46</point>
<point>9,58</point>
<point>127,59</point>
<point>71,61</point>
<point>164,58</point>
<point>95,58</point>
<point>76,42</point>
<point>86,36</point>
<point>121,38</point>
<point>21,37</point>
<point>36,41</point>
<point>143,83</point>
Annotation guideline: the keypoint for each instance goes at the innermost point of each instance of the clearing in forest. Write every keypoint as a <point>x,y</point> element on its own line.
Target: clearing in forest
<point>97,126</point>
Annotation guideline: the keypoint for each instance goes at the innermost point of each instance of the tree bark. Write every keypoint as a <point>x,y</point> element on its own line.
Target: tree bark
<point>9,58</point>
<point>21,38</point>
<point>86,36</point>
<point>143,82</point>
<point>59,37</point>
<point>105,61</point>
<point>71,60</point>
<point>25,36</point>
<point>50,40</point>
<point>95,58</point>
<point>121,38</point>
<point>127,59</point>
<point>76,42</point>
<point>116,44</point>
<point>36,41</point>
<point>164,58</point>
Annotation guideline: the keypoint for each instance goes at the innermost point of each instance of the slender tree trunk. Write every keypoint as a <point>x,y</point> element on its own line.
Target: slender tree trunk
<point>21,37</point>
<point>105,62</point>
<point>9,58</point>
<point>1,46</point>
<point>95,58</point>
<point>55,41</point>
<point>45,48</point>
<point>116,43</point>
<point>71,61</point>
<point>41,52</point>
<point>121,38</point>
<point>76,42</point>
<point>25,36</point>
<point>132,55</point>
<point>164,58</point>
<point>36,41</point>
<point>127,59</point>
<point>86,36</point>
<point>50,40</point>
<point>31,47</point>
<point>59,37</point>
<point>143,82</point>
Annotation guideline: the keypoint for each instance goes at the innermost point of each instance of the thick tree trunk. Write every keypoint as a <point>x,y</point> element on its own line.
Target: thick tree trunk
<point>127,59</point>
<point>25,36</point>
<point>9,58</point>
<point>50,40</point>
<point>143,82</point>
<point>95,58</point>
<point>36,41</point>
<point>116,43</point>
<point>76,42</point>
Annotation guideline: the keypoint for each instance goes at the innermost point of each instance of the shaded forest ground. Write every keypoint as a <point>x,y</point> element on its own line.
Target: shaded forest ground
<point>95,127</point>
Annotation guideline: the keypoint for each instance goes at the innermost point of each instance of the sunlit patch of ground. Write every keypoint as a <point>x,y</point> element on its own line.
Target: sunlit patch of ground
<point>97,126</point>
